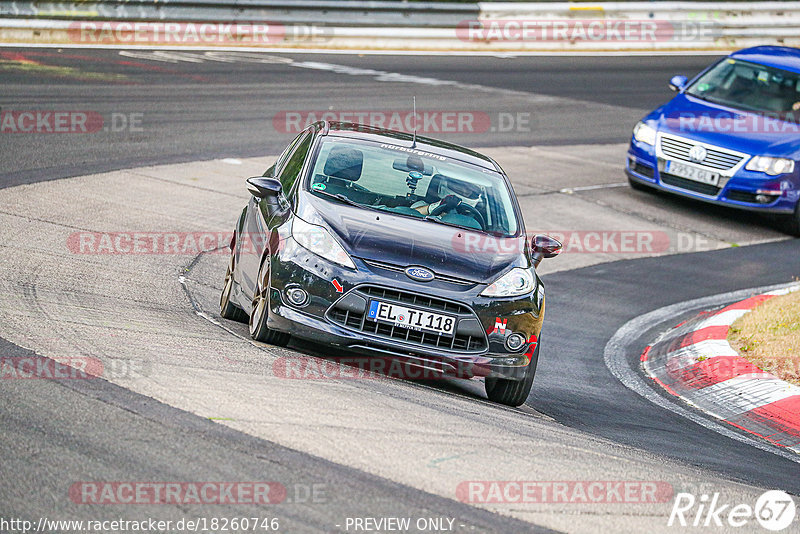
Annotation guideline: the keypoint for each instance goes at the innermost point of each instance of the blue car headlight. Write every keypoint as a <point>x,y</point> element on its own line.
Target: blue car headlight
<point>769,165</point>
<point>644,133</point>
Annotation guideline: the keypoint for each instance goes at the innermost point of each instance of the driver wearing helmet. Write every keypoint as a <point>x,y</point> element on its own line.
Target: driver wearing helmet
<point>452,193</point>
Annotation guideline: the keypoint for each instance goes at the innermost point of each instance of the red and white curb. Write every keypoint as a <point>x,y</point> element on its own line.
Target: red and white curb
<point>694,361</point>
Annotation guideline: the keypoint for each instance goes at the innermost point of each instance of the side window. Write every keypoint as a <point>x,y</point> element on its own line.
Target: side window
<point>290,171</point>
<point>278,165</point>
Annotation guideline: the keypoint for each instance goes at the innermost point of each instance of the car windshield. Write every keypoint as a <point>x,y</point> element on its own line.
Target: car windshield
<point>413,183</point>
<point>751,87</point>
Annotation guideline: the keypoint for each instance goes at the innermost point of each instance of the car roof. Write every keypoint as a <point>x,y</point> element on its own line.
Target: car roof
<point>782,57</point>
<point>424,144</point>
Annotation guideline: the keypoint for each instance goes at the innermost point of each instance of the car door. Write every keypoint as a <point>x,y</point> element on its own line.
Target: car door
<point>256,226</point>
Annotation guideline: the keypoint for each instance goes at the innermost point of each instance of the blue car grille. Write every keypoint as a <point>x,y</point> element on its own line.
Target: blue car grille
<point>677,148</point>
<point>689,185</point>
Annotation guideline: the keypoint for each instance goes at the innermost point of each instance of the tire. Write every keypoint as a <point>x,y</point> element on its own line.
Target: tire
<point>513,392</point>
<point>791,224</point>
<point>227,309</point>
<point>258,317</point>
<point>638,186</point>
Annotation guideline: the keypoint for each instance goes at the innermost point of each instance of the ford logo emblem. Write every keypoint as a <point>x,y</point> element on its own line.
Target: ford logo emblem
<point>420,274</point>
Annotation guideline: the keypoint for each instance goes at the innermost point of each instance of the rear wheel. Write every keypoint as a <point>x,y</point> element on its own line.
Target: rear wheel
<point>258,317</point>
<point>228,309</point>
<point>513,392</point>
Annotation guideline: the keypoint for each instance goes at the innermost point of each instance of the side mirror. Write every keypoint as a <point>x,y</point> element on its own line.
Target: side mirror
<point>544,246</point>
<point>274,205</point>
<point>262,187</point>
<point>678,83</point>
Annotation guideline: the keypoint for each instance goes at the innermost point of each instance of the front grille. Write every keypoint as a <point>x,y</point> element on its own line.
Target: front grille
<point>345,315</point>
<point>689,185</point>
<point>716,158</point>
<point>420,301</point>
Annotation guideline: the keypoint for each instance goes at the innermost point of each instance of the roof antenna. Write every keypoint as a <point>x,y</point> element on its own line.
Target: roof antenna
<point>414,141</point>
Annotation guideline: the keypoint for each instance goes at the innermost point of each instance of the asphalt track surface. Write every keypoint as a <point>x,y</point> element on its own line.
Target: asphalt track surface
<point>203,109</point>
<point>211,109</point>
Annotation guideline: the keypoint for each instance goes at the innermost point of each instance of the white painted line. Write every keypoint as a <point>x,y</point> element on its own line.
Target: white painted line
<point>725,318</point>
<point>784,291</point>
<point>691,354</point>
<point>570,190</point>
<point>710,348</point>
<point>739,395</point>
<point>615,359</point>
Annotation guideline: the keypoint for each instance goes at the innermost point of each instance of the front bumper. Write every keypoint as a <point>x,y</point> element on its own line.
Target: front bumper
<point>737,191</point>
<point>483,324</point>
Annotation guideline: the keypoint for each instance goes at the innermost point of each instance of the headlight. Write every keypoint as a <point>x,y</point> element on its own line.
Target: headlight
<point>318,240</point>
<point>644,133</point>
<point>771,166</point>
<point>514,283</point>
<point>540,297</point>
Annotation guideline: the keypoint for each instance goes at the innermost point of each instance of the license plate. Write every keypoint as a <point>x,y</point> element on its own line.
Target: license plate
<point>411,318</point>
<point>692,173</point>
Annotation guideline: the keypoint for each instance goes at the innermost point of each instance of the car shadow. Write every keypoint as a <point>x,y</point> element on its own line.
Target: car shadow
<point>319,361</point>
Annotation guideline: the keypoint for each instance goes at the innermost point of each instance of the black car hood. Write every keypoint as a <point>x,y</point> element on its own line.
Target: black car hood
<point>403,241</point>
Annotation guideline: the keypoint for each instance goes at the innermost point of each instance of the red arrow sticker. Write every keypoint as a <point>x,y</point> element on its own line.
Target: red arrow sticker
<point>337,285</point>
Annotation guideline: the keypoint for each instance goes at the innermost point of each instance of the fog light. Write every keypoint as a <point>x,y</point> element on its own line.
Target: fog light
<point>297,296</point>
<point>515,342</point>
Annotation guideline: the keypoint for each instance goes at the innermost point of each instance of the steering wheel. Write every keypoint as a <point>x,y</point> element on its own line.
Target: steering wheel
<point>464,209</point>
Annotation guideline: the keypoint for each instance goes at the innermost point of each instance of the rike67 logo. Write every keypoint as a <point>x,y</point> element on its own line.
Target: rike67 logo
<point>774,510</point>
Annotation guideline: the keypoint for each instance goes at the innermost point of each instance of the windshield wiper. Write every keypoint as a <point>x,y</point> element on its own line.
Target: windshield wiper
<point>454,225</point>
<point>342,198</point>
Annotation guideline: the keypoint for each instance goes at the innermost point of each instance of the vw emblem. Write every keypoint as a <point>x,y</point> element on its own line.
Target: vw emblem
<point>420,274</point>
<point>697,153</point>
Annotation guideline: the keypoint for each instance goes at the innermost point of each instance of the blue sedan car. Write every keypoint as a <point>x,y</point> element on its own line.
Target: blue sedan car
<point>730,136</point>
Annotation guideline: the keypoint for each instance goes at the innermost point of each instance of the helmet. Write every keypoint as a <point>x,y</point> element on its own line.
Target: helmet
<point>466,191</point>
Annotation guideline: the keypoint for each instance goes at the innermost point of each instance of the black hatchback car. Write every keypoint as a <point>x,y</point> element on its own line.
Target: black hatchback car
<point>392,245</point>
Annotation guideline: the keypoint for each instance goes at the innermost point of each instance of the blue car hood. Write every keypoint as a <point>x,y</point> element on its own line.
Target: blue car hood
<point>739,130</point>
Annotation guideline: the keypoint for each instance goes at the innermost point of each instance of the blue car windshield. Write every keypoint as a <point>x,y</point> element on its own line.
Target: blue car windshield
<point>751,87</point>
<point>413,183</point>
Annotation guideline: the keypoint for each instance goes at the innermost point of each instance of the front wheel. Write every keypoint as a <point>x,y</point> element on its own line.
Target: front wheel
<point>791,224</point>
<point>513,392</point>
<point>228,309</point>
<point>258,317</point>
<point>638,186</point>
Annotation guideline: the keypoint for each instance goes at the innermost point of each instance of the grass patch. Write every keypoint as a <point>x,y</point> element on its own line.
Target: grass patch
<point>769,336</point>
